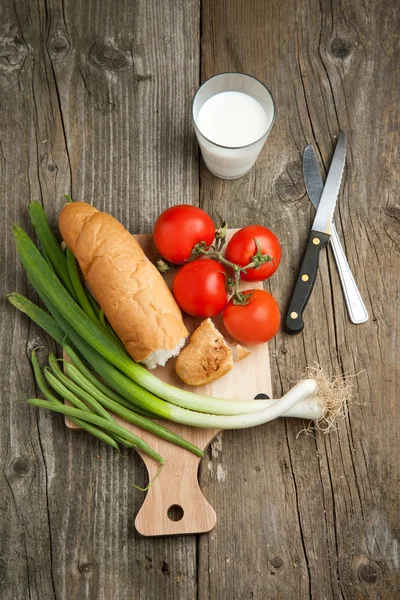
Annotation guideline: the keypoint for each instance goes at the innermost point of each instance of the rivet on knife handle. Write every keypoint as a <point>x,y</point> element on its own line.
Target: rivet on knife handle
<point>305,281</point>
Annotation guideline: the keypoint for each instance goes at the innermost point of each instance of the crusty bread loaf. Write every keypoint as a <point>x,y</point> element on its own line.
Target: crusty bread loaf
<point>132,293</point>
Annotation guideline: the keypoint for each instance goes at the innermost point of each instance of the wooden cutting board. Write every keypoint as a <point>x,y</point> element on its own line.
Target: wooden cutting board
<point>174,504</point>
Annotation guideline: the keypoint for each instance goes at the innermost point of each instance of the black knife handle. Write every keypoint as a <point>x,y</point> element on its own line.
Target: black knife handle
<point>305,281</point>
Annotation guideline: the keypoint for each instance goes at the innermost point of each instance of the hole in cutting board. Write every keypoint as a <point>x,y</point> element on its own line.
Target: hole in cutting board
<point>175,513</point>
<point>261,397</point>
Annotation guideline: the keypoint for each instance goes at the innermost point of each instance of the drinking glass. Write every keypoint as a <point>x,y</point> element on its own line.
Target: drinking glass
<point>228,162</point>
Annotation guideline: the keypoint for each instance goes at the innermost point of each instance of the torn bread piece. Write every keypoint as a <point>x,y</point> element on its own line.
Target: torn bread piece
<point>207,357</point>
<point>239,353</point>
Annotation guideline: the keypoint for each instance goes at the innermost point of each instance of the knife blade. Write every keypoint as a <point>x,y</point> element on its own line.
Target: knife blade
<point>312,176</point>
<point>319,238</point>
<point>314,186</point>
<point>326,208</point>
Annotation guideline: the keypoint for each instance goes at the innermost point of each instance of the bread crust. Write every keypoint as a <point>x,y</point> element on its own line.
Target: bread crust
<point>206,358</point>
<point>133,295</point>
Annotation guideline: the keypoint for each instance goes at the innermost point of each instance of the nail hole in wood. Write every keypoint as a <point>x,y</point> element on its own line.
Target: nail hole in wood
<point>175,513</point>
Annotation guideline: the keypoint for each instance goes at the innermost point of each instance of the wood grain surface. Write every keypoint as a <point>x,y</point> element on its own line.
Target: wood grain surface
<point>95,100</point>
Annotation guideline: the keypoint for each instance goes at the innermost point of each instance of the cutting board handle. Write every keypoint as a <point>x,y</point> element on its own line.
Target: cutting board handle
<point>174,503</point>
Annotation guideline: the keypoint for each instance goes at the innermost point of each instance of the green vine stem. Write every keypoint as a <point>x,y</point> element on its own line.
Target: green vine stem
<point>214,252</point>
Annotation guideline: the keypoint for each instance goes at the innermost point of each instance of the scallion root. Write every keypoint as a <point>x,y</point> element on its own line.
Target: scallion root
<point>334,395</point>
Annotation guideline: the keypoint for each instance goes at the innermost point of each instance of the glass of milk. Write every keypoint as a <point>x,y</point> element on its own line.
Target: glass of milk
<point>232,114</point>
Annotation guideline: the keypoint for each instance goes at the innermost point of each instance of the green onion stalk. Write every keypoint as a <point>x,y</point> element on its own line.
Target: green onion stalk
<point>82,415</point>
<point>50,245</point>
<point>47,285</point>
<point>53,400</point>
<point>103,393</point>
<point>299,404</point>
<point>89,399</point>
<point>133,381</point>
<point>73,381</point>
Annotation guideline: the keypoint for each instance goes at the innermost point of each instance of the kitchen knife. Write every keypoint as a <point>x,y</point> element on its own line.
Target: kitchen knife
<point>319,238</point>
<point>314,186</point>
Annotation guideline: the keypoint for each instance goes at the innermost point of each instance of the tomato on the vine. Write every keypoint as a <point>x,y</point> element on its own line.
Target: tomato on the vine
<point>199,288</point>
<point>179,228</point>
<point>242,248</point>
<point>253,323</point>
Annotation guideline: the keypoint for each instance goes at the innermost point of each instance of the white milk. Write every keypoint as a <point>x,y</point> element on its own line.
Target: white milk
<point>232,126</point>
<point>232,119</point>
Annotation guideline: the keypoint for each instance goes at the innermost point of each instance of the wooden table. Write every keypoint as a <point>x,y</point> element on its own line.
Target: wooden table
<point>95,101</point>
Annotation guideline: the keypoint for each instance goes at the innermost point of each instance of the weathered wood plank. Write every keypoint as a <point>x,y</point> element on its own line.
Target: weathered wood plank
<point>315,517</point>
<point>26,553</point>
<point>95,99</point>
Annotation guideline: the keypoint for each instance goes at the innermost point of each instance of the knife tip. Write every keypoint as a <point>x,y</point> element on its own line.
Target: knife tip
<point>307,149</point>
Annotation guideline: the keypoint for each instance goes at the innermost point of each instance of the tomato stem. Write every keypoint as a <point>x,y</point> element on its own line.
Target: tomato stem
<point>220,236</point>
<point>214,252</point>
<point>162,265</point>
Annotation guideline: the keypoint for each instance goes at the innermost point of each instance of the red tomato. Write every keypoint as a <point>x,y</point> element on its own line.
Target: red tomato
<point>242,248</point>
<point>253,323</point>
<point>179,228</point>
<point>199,288</point>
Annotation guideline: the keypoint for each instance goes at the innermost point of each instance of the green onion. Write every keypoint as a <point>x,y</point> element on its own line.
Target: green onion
<point>42,318</point>
<point>102,317</point>
<point>45,256</point>
<point>48,286</point>
<point>83,298</point>
<point>57,378</point>
<point>50,244</point>
<point>93,303</point>
<point>78,287</point>
<point>92,429</point>
<point>79,393</point>
<point>57,372</point>
<point>109,329</point>
<point>109,373</point>
<point>76,401</point>
<point>37,315</point>
<point>113,334</point>
<point>73,356</point>
<point>146,400</point>
<point>46,283</point>
<point>308,409</point>
<point>302,391</point>
<point>76,383</point>
<point>100,422</point>
<point>129,379</point>
<point>158,430</point>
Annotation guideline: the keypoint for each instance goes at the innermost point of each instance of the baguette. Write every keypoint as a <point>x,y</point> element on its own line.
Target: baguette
<point>133,295</point>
